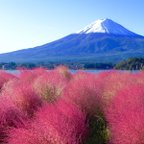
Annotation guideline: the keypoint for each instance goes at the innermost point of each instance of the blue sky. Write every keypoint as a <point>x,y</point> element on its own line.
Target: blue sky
<point>29,23</point>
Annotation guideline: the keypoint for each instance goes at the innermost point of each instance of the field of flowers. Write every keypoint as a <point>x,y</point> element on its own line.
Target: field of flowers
<point>43,106</point>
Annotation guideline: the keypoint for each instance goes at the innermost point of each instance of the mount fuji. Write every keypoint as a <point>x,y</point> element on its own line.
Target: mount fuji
<point>102,41</point>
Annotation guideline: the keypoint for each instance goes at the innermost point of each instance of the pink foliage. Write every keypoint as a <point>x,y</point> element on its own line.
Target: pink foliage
<point>60,123</point>
<point>5,77</point>
<point>23,96</point>
<point>64,71</point>
<point>114,82</point>
<point>43,106</point>
<point>10,116</point>
<point>85,91</point>
<point>50,85</point>
<point>125,116</point>
<point>28,76</point>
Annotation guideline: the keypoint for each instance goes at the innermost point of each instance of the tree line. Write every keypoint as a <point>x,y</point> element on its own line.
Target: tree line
<point>129,64</point>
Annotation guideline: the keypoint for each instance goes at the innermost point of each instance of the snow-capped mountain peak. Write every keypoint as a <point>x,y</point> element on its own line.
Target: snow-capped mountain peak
<point>106,26</point>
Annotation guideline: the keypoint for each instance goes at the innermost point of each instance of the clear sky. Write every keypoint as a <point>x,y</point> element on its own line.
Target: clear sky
<point>29,23</point>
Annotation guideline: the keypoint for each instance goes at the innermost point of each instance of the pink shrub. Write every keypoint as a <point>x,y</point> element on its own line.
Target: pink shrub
<point>81,75</point>
<point>85,91</point>
<point>50,85</point>
<point>125,116</point>
<point>60,123</point>
<point>5,77</point>
<point>114,82</point>
<point>10,116</point>
<point>23,96</point>
<point>28,76</point>
<point>139,77</point>
<point>64,71</point>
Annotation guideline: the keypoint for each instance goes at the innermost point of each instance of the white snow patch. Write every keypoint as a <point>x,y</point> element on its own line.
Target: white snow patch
<point>106,26</point>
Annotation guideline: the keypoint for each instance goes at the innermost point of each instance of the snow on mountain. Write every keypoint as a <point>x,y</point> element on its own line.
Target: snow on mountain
<point>106,26</point>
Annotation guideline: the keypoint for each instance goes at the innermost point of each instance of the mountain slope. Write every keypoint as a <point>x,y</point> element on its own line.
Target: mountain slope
<point>110,43</point>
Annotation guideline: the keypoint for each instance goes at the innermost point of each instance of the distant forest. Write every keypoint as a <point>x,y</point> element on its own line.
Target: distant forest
<point>129,64</point>
<point>13,65</point>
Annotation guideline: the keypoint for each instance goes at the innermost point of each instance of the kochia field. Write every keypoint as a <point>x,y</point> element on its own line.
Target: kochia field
<point>43,106</point>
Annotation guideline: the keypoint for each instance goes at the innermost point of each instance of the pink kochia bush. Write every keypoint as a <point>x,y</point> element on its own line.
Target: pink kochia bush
<point>113,82</point>
<point>28,76</point>
<point>59,123</point>
<point>125,116</point>
<point>51,84</point>
<point>85,91</point>
<point>5,77</point>
<point>10,117</point>
<point>22,96</point>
